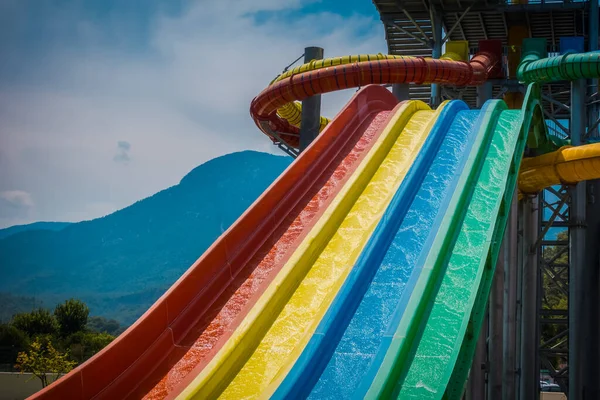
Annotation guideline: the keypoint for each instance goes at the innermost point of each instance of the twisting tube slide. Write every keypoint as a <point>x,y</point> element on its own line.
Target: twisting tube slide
<point>343,73</point>
<point>363,271</point>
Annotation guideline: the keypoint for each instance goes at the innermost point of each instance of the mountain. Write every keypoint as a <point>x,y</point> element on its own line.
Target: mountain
<point>43,226</point>
<point>120,264</point>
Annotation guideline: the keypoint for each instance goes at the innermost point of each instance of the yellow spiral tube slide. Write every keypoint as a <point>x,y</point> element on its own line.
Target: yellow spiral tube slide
<point>292,112</point>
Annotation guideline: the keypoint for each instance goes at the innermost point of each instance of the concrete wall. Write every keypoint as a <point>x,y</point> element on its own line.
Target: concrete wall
<point>16,386</point>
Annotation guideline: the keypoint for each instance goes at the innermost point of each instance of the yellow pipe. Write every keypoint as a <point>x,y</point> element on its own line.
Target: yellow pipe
<point>567,165</point>
<point>292,112</point>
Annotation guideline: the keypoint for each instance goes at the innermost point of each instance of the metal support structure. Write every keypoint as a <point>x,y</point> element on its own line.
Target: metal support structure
<point>484,93</point>
<point>476,383</point>
<point>401,91</point>
<point>577,318</point>
<point>496,330</point>
<point>436,53</point>
<point>311,106</point>
<point>509,339</point>
<point>530,372</point>
<point>592,252</point>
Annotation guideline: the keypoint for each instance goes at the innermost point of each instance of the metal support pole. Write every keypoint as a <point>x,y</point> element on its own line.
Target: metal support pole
<point>592,263</point>
<point>578,340</point>
<point>401,91</point>
<point>509,350</point>
<point>521,257</point>
<point>484,93</point>
<point>436,53</point>
<point>476,384</point>
<point>495,359</point>
<point>311,106</point>
<point>530,370</point>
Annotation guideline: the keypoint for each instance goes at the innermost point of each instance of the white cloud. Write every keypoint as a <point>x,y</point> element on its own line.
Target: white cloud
<point>182,103</point>
<point>17,198</point>
<point>16,206</point>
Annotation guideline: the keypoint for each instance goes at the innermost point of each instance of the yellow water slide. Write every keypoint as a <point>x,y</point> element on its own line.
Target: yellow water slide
<point>272,336</point>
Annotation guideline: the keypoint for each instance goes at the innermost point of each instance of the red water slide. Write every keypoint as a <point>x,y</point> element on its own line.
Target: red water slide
<point>178,335</point>
<point>263,109</point>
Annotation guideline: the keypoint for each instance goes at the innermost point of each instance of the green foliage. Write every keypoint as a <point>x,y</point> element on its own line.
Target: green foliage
<point>85,344</point>
<point>42,359</point>
<point>72,316</point>
<point>104,325</point>
<point>12,341</point>
<point>10,336</point>
<point>36,322</point>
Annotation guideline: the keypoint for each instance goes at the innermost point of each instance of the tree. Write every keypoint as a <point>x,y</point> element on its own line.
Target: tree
<point>103,325</point>
<point>72,316</point>
<point>36,322</point>
<point>12,341</point>
<point>43,359</point>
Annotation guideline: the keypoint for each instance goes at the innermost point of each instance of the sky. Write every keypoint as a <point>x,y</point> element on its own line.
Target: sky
<point>103,103</point>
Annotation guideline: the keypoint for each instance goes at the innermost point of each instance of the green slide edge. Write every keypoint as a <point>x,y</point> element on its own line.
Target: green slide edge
<point>463,364</point>
<point>405,340</point>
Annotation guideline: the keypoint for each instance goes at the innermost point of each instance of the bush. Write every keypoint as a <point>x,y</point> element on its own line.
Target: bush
<point>103,325</point>
<point>72,316</point>
<point>36,322</point>
<point>42,359</point>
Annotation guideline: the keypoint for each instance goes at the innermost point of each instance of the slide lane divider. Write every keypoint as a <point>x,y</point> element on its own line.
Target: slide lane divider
<point>224,367</point>
<point>510,149</point>
<point>354,138</point>
<point>466,257</point>
<point>407,335</point>
<point>354,129</point>
<point>417,234</point>
<point>313,360</point>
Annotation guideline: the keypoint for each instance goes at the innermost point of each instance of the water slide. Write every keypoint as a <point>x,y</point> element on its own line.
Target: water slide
<point>364,269</point>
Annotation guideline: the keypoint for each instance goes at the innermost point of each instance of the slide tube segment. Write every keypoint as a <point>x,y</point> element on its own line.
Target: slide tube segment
<point>316,355</point>
<point>509,161</point>
<point>568,67</point>
<point>306,285</point>
<point>566,166</point>
<point>292,112</point>
<point>130,361</point>
<point>263,108</point>
<point>407,336</point>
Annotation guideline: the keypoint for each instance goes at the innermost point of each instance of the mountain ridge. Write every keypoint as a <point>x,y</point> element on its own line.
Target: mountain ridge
<point>41,225</point>
<point>121,263</point>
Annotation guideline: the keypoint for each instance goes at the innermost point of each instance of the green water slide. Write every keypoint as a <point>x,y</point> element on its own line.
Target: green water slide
<point>433,347</point>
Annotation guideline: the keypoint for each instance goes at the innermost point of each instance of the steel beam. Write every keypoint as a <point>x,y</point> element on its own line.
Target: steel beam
<point>509,339</point>
<point>578,339</point>
<point>476,383</point>
<point>401,91</point>
<point>311,106</point>
<point>436,53</point>
<point>484,93</point>
<point>592,262</point>
<point>530,371</point>
<point>495,335</point>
